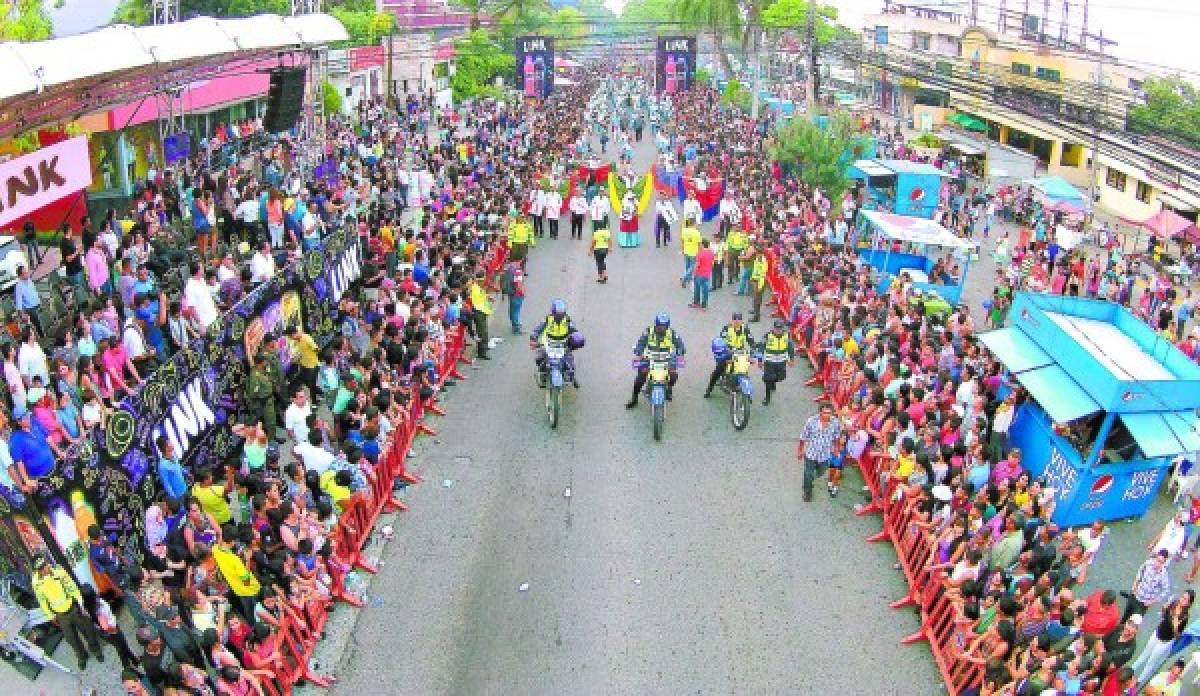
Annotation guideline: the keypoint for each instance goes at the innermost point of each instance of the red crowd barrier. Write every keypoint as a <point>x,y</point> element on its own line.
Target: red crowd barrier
<point>946,630</point>
<point>299,635</point>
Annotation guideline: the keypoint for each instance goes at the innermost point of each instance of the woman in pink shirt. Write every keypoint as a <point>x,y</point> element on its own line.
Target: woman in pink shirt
<point>95,262</point>
<point>275,218</point>
<point>1007,468</point>
<point>115,362</point>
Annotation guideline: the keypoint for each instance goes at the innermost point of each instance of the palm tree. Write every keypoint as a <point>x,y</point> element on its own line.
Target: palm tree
<point>516,10</point>
<point>723,19</point>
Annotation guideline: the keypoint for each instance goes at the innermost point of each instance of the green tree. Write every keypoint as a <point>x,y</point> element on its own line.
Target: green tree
<point>793,14</point>
<point>818,153</point>
<point>1171,110</point>
<point>722,19</point>
<point>331,98</point>
<point>478,61</point>
<point>643,16</point>
<point>568,28</point>
<point>365,28</point>
<point>25,20</point>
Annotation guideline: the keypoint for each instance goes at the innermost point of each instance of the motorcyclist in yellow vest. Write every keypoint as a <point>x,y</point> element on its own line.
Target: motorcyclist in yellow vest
<point>735,243</point>
<point>520,239</point>
<point>557,326</point>
<point>658,337</point>
<point>778,354</point>
<point>737,336</point>
<point>758,283</point>
<point>58,596</point>
<point>481,309</point>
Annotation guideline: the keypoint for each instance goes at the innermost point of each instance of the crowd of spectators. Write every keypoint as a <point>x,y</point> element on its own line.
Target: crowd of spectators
<point>233,548</point>
<point>928,400</point>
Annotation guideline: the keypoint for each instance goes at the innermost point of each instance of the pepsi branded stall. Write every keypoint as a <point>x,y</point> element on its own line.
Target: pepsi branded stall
<point>900,186</point>
<point>1110,403</point>
<point>675,64</point>
<point>535,66</point>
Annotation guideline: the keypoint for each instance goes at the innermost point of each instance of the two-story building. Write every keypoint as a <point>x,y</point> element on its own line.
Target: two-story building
<point>1032,90</point>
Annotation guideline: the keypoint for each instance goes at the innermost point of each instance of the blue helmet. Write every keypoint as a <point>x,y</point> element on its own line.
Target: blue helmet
<point>662,319</point>
<point>719,346</point>
<point>558,308</point>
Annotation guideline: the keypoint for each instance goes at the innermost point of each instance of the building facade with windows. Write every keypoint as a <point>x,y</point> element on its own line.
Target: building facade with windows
<point>1043,95</point>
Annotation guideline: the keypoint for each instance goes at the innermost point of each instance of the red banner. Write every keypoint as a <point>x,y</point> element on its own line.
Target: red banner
<point>365,57</point>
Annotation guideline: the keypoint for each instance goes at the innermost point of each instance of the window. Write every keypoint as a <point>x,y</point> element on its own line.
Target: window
<point>1049,75</point>
<point>1021,69</point>
<point>944,68</point>
<point>1143,191</point>
<point>1115,179</point>
<point>881,34</point>
<point>921,41</point>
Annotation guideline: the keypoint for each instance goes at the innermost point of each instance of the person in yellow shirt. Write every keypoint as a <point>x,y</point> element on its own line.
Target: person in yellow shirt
<point>520,239</point>
<point>387,238</point>
<point>735,246</point>
<point>689,240</point>
<point>243,584</point>
<point>306,351</point>
<point>601,242</point>
<point>211,496</point>
<point>481,309</point>
<point>758,282</point>
<point>60,599</point>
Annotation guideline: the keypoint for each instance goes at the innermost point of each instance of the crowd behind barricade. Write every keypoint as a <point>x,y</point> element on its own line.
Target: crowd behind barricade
<point>242,560</point>
<point>923,409</point>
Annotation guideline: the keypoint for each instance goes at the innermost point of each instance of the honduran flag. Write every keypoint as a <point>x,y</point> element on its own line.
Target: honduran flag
<point>709,197</point>
<point>667,182</point>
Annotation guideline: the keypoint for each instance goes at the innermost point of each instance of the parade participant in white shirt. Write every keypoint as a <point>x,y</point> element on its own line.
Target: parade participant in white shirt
<point>664,217</point>
<point>579,207</point>
<point>730,213</point>
<point>599,210</point>
<point>262,264</point>
<point>552,209</point>
<point>537,202</point>
<point>692,209</point>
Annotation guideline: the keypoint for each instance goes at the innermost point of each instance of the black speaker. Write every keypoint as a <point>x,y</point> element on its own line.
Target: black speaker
<point>285,99</point>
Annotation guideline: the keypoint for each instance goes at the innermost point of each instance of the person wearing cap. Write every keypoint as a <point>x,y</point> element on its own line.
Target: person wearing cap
<point>779,353</point>
<point>520,239</point>
<point>59,597</point>
<point>737,336</point>
<point>481,310</point>
<point>758,281</point>
<point>177,637</point>
<point>260,395</point>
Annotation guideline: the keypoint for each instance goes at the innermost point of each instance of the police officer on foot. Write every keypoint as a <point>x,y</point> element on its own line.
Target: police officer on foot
<point>778,355</point>
<point>758,282</point>
<point>481,309</point>
<point>737,336</point>
<point>59,597</point>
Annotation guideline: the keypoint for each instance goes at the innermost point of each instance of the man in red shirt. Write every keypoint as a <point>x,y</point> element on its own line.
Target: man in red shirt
<point>702,275</point>
<point>1103,615</point>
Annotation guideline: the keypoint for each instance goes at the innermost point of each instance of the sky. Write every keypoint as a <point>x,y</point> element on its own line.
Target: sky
<point>1153,31</point>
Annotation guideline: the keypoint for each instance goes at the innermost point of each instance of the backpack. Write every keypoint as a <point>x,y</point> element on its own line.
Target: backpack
<point>508,286</point>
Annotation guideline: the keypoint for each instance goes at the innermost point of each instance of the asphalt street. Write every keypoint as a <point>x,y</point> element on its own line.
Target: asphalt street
<point>689,565</point>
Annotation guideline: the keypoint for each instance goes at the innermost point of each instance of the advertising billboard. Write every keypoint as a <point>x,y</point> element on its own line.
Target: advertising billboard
<point>675,63</point>
<point>535,66</point>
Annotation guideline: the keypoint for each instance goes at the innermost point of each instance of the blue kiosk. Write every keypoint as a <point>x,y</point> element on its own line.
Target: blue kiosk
<point>1110,403</point>
<point>903,187</point>
<point>898,244</point>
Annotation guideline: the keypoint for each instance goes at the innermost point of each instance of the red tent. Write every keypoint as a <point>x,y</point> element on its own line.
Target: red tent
<point>1167,223</point>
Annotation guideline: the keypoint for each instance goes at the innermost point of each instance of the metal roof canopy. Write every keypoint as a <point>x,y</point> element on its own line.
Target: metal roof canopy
<point>47,81</point>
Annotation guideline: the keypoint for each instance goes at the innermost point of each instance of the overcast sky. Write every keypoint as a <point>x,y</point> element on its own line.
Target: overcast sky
<point>1153,31</point>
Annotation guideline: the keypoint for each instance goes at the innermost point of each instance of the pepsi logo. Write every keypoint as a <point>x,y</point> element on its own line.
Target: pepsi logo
<point>916,194</point>
<point>1102,485</point>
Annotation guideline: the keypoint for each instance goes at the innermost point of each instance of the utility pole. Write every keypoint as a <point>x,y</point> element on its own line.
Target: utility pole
<point>814,80</point>
<point>1103,99</point>
<point>756,83</point>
